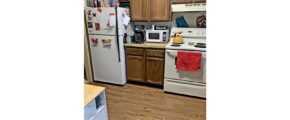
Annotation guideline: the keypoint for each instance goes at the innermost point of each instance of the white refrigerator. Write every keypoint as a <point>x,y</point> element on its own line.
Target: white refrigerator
<point>106,28</point>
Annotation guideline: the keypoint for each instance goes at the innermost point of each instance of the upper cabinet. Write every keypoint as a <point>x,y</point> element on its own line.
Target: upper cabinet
<point>150,10</point>
<point>160,10</point>
<point>140,10</point>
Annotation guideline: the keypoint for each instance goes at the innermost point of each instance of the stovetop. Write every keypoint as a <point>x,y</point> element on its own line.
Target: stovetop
<point>193,39</point>
<point>188,44</point>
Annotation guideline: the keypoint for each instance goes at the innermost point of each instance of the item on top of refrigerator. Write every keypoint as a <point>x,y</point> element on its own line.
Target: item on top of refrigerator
<point>181,22</point>
<point>106,3</point>
<point>114,3</point>
<point>103,3</point>
<point>97,3</point>
<point>201,21</point>
<point>125,5</point>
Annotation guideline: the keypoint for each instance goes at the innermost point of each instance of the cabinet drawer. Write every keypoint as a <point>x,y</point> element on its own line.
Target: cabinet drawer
<point>154,53</point>
<point>134,51</point>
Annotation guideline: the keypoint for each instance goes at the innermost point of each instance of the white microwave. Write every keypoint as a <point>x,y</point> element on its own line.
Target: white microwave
<point>157,35</point>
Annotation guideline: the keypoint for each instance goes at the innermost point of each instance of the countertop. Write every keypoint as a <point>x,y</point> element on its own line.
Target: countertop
<point>147,45</point>
<point>91,92</point>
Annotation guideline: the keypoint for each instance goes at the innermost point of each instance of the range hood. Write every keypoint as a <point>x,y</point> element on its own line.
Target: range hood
<point>188,7</point>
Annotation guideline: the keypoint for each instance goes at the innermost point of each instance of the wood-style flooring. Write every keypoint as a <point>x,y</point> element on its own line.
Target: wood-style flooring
<point>138,102</point>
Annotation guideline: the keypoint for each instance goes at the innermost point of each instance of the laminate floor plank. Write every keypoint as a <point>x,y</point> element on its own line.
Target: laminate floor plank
<point>138,102</point>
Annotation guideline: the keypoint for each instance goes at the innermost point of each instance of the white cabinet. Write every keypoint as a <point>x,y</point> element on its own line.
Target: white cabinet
<point>95,104</point>
<point>97,108</point>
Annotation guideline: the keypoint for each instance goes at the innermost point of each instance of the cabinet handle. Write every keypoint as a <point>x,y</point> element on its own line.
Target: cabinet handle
<point>153,82</point>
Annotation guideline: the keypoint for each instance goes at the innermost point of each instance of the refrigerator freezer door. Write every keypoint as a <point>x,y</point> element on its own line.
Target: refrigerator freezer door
<point>105,60</point>
<point>98,20</point>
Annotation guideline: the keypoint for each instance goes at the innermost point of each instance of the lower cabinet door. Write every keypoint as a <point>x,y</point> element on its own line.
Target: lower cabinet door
<point>155,70</point>
<point>135,68</point>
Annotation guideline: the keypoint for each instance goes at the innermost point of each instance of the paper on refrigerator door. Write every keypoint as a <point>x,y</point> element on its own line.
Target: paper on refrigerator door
<point>126,20</point>
<point>112,20</point>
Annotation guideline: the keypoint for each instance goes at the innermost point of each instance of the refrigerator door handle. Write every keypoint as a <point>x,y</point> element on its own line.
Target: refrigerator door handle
<point>118,48</point>
<point>117,31</point>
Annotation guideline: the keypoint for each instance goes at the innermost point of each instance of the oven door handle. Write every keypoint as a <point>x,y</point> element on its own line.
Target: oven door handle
<point>175,60</point>
<point>172,53</point>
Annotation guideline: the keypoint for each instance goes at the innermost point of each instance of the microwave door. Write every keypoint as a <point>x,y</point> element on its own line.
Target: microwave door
<point>154,37</point>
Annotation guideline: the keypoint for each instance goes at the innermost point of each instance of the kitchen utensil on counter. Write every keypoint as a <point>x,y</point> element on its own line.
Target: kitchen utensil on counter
<point>139,34</point>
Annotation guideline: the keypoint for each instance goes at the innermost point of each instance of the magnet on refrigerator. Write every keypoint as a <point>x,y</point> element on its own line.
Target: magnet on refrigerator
<point>107,42</point>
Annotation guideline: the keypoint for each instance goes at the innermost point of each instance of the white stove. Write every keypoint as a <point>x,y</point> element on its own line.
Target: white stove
<point>191,83</point>
<point>192,37</point>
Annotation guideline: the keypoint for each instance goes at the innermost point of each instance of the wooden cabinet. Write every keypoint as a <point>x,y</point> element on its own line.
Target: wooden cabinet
<point>145,65</point>
<point>135,64</point>
<point>140,10</point>
<point>160,10</point>
<point>155,70</point>
<point>150,10</point>
<point>135,68</point>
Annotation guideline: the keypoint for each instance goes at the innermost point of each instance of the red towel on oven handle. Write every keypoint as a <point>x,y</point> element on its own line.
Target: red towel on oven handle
<point>188,61</point>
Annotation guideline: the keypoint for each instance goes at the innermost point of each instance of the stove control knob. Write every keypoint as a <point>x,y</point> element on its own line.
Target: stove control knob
<point>190,43</point>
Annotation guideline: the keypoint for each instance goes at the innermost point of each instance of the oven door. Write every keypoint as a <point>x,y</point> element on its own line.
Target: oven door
<point>186,76</point>
<point>154,36</point>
